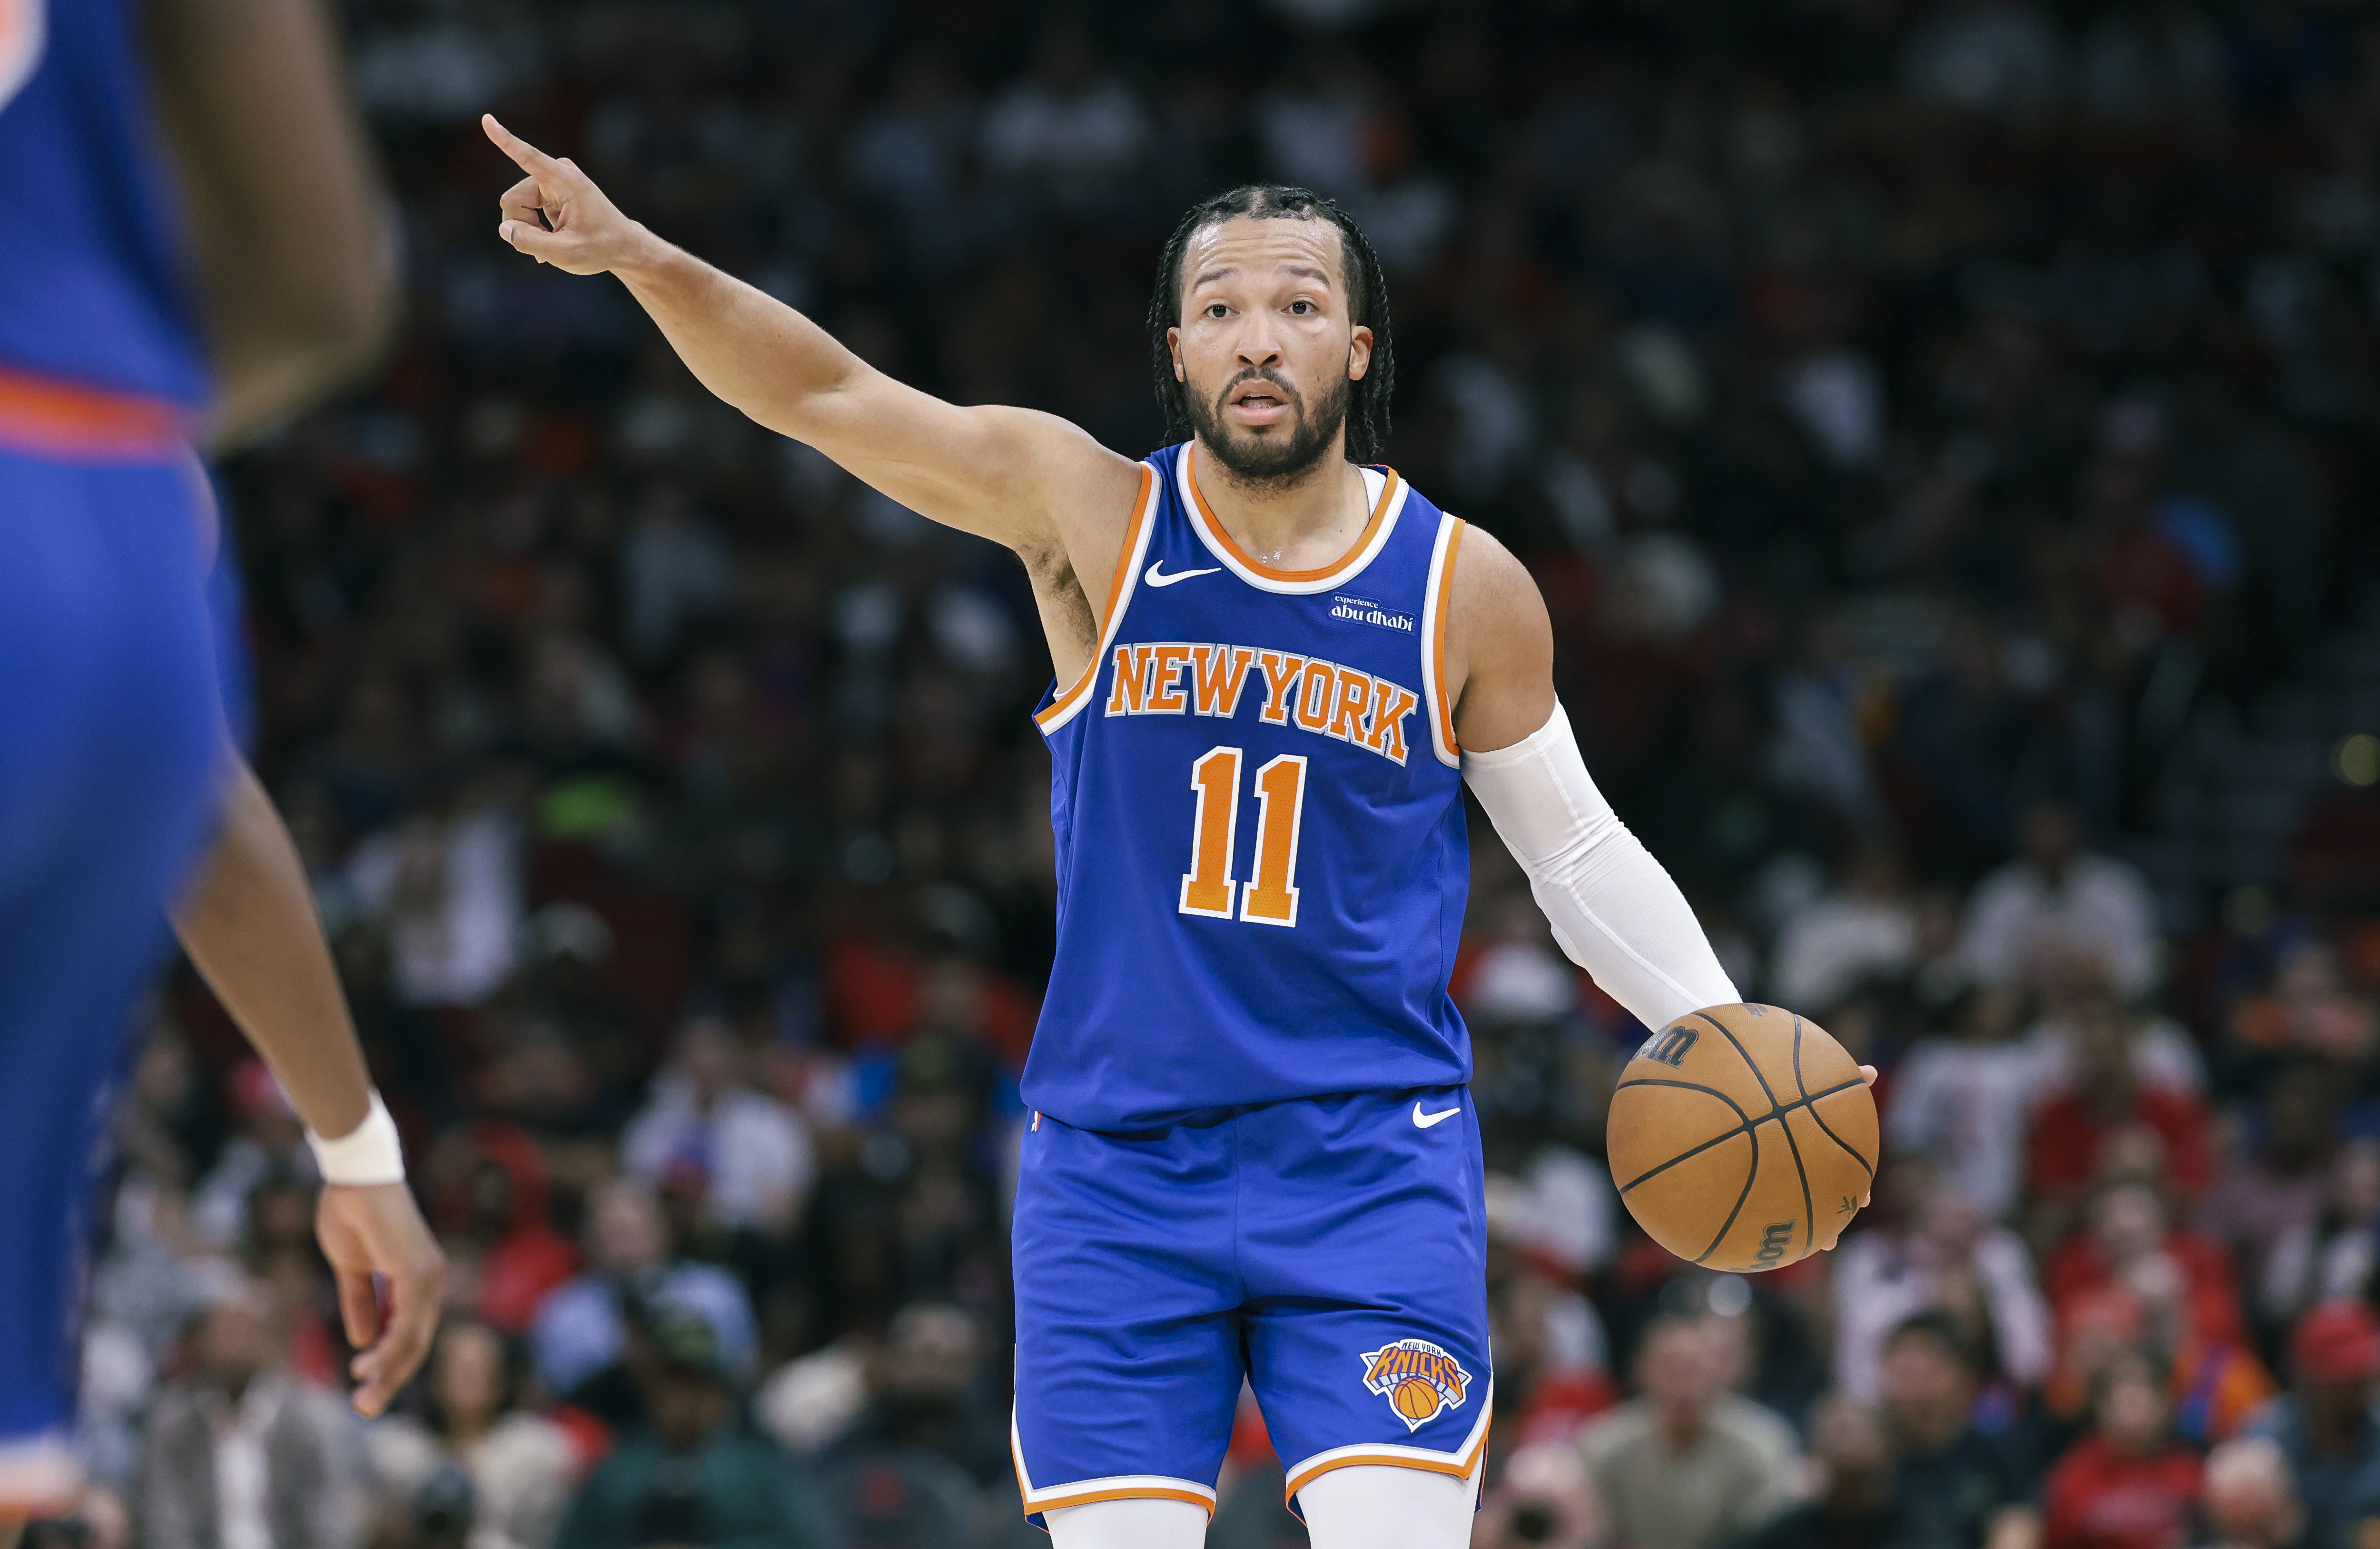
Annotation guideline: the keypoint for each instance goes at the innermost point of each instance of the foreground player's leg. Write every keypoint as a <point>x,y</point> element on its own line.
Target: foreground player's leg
<point>1143,1524</point>
<point>1370,1506</point>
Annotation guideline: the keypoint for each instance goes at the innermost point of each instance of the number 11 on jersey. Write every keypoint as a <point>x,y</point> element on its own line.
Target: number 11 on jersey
<point>1207,888</point>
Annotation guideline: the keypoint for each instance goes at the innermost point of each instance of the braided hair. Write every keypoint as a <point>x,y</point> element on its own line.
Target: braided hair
<point>1367,292</point>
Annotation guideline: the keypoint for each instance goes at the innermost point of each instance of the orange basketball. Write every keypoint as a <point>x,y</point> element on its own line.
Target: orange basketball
<point>1742,1137</point>
<point>1414,1399</point>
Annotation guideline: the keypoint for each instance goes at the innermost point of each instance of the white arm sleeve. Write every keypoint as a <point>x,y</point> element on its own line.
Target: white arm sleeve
<point>1613,906</point>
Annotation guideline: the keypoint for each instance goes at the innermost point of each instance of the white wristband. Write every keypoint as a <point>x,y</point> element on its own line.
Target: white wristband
<point>369,1154</point>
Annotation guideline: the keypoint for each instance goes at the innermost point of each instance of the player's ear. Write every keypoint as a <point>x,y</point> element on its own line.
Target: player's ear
<point>1359,352</point>
<point>1173,346</point>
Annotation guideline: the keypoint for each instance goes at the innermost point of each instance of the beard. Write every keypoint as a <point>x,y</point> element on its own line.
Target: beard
<point>1258,459</point>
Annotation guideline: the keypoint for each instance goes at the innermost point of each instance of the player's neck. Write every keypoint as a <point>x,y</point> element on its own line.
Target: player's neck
<point>1305,523</point>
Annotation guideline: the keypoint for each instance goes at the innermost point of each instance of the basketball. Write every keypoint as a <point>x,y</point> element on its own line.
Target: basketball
<point>1416,1400</point>
<point>1742,1137</point>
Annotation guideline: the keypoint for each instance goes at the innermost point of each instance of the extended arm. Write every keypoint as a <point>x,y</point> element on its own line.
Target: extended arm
<point>1017,477</point>
<point>250,925</point>
<point>1614,908</point>
<point>294,247</point>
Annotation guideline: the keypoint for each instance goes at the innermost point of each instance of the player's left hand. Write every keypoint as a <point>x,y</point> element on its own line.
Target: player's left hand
<point>1867,1074</point>
<point>376,1229</point>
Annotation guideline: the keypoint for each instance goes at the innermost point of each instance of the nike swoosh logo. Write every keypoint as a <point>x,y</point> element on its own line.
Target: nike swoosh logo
<point>1155,575</point>
<point>1422,1120</point>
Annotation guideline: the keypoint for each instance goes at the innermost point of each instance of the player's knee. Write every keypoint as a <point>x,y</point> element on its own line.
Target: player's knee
<point>1128,1524</point>
<point>1376,1506</point>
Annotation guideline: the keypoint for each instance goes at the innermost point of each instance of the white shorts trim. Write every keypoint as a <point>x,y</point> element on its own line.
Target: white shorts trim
<point>1112,1487</point>
<point>1461,1462</point>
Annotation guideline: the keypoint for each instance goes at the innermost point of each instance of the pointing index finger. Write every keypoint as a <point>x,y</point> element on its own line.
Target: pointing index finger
<point>531,159</point>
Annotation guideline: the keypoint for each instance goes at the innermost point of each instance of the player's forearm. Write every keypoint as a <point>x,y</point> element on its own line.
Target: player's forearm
<point>1614,910</point>
<point>288,220</point>
<point>250,927</point>
<point>746,347</point>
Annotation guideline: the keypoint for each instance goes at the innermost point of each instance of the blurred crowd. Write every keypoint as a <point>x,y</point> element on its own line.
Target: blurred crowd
<point>1916,412</point>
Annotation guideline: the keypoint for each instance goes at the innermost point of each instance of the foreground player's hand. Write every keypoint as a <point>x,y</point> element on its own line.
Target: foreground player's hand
<point>557,215</point>
<point>376,1229</point>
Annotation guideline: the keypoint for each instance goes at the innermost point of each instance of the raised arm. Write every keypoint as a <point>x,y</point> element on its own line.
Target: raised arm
<point>1017,477</point>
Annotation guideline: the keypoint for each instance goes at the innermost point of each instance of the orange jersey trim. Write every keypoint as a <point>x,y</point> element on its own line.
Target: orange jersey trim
<point>49,418</point>
<point>1444,603</point>
<point>1363,540</point>
<point>1144,511</point>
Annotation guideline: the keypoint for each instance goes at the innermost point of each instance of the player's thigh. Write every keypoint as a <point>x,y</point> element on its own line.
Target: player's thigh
<point>1127,1326</point>
<point>1128,1524</point>
<point>108,729</point>
<point>1376,1507</point>
<point>1366,1254</point>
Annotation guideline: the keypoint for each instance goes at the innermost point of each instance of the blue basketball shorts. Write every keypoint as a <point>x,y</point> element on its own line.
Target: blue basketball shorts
<point>1330,1253</point>
<point>110,727</point>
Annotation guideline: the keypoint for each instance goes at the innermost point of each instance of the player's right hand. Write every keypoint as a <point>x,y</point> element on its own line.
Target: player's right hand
<point>557,215</point>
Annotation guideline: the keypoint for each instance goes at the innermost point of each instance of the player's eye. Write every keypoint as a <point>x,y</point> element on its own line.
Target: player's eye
<point>1301,308</point>
<point>1215,308</point>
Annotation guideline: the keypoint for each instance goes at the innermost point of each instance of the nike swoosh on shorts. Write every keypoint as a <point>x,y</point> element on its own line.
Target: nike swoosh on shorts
<point>1155,575</point>
<point>1422,1120</point>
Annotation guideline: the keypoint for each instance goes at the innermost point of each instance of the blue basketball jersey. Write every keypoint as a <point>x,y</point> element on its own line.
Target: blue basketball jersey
<point>94,286</point>
<point>1261,848</point>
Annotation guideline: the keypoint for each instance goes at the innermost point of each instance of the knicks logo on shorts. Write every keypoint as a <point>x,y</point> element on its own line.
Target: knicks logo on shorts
<point>1419,1380</point>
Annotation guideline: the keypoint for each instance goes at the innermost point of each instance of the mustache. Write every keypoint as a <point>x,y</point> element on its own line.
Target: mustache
<point>1260,373</point>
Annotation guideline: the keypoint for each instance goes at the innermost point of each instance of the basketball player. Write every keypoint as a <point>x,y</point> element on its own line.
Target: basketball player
<point>116,774</point>
<point>1251,1154</point>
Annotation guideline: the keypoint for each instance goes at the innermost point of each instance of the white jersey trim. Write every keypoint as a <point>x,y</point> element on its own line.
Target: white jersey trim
<point>1384,493</point>
<point>1433,643</point>
<point>1127,580</point>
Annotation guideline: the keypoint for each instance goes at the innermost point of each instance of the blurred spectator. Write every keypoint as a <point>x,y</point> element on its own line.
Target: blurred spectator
<point>746,1155</point>
<point>1543,1497</point>
<point>1964,1100</point>
<point>1867,929</point>
<point>2058,898</point>
<point>488,1187</point>
<point>519,1468</point>
<point>2110,1124</point>
<point>2308,1011</point>
<point>2128,1484</point>
<point>1941,1254</point>
<point>2252,1503</point>
<point>2325,1425</point>
<point>240,1456</point>
<point>693,1476</point>
<point>1953,1486</point>
<point>1070,130</point>
<point>2332,1257</point>
<point>268,1137</point>
<point>1687,1464</point>
<point>1855,1506</point>
<point>581,1332</point>
<point>2280,1186</point>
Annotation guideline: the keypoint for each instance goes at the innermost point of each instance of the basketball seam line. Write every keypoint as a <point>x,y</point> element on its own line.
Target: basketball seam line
<point>1751,1175</point>
<point>1865,1165</point>
<point>1809,1209</point>
<point>1775,1108</point>
<point>1745,1128</point>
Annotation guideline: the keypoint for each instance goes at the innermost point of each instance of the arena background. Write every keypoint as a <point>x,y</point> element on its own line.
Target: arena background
<point>1946,435</point>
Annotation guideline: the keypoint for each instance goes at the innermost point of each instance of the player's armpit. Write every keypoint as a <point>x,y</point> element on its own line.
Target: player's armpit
<point>1500,647</point>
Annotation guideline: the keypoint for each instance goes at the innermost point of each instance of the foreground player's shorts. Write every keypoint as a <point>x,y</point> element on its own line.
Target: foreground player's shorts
<point>109,735</point>
<point>1330,1252</point>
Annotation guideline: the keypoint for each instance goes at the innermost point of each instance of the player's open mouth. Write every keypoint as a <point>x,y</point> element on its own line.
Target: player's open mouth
<point>1259,405</point>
